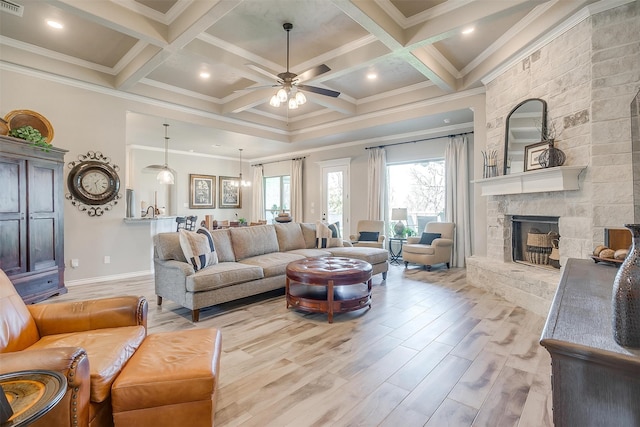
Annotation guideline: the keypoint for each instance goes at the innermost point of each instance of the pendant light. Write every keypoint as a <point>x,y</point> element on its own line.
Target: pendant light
<point>166,175</point>
<point>241,181</point>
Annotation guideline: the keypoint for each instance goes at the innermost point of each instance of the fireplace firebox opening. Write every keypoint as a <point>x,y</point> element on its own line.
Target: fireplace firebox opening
<point>535,240</point>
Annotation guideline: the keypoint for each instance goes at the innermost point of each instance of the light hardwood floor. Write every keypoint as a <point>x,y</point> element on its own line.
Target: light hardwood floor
<point>432,351</point>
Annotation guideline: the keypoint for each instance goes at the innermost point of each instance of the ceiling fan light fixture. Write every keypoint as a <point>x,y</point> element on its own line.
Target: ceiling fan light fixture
<point>275,101</point>
<point>293,104</point>
<point>300,98</point>
<point>282,95</point>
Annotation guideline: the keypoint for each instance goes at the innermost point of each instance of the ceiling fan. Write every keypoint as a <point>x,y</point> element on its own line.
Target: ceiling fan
<point>290,82</point>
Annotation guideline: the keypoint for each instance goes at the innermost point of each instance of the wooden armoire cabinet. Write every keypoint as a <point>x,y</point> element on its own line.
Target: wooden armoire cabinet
<point>31,218</point>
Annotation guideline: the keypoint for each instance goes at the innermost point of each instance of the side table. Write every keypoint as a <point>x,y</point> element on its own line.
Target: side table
<point>31,394</point>
<point>396,257</point>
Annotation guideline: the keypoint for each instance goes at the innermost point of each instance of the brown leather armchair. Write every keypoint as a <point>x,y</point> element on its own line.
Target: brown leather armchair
<point>64,337</point>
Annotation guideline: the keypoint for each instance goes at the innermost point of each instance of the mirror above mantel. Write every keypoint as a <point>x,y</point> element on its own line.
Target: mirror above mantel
<point>525,125</point>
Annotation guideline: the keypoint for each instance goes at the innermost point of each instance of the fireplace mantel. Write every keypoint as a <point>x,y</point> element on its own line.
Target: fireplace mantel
<point>561,178</point>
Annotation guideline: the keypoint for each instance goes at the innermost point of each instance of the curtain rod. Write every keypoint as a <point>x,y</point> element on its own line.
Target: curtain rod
<point>418,140</point>
<point>278,161</point>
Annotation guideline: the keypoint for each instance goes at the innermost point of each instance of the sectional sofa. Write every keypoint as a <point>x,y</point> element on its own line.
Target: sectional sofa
<point>251,260</point>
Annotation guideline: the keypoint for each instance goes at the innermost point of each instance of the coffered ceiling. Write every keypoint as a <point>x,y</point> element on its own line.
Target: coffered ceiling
<point>157,49</point>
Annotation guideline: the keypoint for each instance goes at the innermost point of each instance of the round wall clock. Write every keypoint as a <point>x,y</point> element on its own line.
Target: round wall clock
<point>93,183</point>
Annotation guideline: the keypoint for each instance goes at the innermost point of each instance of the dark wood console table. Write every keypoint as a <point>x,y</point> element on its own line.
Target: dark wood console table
<point>595,381</point>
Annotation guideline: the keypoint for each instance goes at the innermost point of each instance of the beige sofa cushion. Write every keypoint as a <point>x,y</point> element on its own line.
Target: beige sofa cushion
<point>222,275</point>
<point>222,244</point>
<point>167,246</point>
<point>273,264</point>
<point>309,234</point>
<point>371,255</point>
<point>289,236</point>
<point>253,241</point>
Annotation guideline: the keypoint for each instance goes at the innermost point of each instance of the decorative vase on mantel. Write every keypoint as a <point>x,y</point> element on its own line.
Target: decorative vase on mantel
<point>552,156</point>
<point>626,295</point>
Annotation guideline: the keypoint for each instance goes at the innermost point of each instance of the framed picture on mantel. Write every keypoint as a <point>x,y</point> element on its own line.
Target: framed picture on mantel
<point>230,193</point>
<point>202,191</point>
<point>532,155</point>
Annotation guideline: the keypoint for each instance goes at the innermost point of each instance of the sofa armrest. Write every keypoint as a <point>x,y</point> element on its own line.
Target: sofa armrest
<point>347,244</point>
<point>76,316</point>
<point>381,238</point>
<point>172,267</point>
<point>413,240</point>
<point>442,243</point>
<point>72,363</point>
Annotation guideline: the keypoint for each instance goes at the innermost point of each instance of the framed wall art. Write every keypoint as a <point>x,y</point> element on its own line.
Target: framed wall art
<point>230,192</point>
<point>532,155</point>
<point>202,190</point>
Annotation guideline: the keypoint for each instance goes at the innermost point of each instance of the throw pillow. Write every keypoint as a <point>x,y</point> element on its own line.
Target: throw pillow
<point>323,235</point>
<point>335,229</point>
<point>197,248</point>
<point>428,238</point>
<point>207,233</point>
<point>368,236</point>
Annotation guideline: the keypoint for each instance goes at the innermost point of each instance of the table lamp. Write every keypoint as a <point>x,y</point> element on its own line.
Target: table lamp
<point>399,214</point>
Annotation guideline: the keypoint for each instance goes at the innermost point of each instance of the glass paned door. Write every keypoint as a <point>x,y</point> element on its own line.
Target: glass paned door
<point>335,196</point>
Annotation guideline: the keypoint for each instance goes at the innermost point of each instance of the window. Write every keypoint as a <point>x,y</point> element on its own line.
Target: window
<point>419,187</point>
<point>277,196</point>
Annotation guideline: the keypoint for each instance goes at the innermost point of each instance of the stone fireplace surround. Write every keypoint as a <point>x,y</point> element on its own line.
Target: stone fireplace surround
<point>587,73</point>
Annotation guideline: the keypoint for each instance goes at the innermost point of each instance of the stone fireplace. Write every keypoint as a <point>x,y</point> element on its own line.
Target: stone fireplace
<point>577,72</point>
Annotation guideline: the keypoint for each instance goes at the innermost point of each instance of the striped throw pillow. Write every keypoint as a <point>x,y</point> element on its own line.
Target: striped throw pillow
<point>198,249</point>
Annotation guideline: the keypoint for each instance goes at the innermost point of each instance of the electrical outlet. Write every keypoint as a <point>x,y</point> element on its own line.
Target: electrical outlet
<point>107,259</point>
<point>75,263</point>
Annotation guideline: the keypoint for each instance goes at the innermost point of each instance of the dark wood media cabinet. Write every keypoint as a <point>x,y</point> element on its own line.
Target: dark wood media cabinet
<point>595,381</point>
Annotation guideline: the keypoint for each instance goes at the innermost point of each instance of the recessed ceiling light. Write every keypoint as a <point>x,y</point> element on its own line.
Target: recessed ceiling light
<point>54,24</point>
<point>468,30</point>
<point>372,76</point>
<point>447,121</point>
<point>205,74</point>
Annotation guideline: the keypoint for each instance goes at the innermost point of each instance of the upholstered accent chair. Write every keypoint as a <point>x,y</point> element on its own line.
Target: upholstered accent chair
<point>369,234</point>
<point>430,249</point>
<point>64,337</point>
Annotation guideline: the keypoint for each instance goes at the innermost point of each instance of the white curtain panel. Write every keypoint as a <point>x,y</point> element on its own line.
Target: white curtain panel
<point>296,190</point>
<point>257,209</point>
<point>377,180</point>
<point>457,197</point>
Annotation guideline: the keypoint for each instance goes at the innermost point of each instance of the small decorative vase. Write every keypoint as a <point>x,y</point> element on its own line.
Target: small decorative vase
<point>552,157</point>
<point>626,295</point>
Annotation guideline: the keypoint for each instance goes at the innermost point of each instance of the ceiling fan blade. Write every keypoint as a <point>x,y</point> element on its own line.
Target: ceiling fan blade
<point>313,72</point>
<point>319,90</point>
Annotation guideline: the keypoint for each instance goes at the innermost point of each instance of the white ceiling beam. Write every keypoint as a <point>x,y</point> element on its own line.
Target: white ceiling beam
<point>117,18</point>
<point>336,104</point>
<point>446,25</point>
<point>247,101</point>
<point>375,20</point>
<point>193,21</point>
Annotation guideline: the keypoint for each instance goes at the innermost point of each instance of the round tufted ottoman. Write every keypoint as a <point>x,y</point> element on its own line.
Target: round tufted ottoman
<point>328,285</point>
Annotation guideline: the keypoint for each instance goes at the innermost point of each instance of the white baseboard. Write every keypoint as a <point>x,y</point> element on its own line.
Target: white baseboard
<point>133,274</point>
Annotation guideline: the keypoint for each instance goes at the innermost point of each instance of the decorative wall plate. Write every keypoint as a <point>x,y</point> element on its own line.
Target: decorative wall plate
<point>93,183</point>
